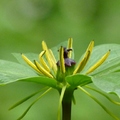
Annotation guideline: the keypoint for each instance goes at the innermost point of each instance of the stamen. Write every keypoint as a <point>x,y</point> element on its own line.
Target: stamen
<point>62,62</point>
<point>42,61</point>
<point>50,57</point>
<point>42,69</point>
<point>45,48</point>
<point>98,63</point>
<point>82,63</point>
<point>85,59</point>
<point>53,60</point>
<point>30,63</point>
<point>70,41</point>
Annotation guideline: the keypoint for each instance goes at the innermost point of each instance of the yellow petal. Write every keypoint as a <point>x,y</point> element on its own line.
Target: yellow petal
<point>45,72</point>
<point>30,63</point>
<point>85,59</point>
<point>42,61</point>
<point>98,63</point>
<point>70,42</point>
<point>62,62</point>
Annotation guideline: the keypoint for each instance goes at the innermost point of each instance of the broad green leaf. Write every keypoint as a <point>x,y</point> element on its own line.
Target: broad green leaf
<point>78,79</point>
<point>109,83</point>
<point>12,72</point>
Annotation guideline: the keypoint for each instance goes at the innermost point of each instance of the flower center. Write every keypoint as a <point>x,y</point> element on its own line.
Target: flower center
<point>67,61</point>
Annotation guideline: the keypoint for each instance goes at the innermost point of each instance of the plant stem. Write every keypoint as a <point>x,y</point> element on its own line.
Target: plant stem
<point>66,110</point>
<point>67,105</point>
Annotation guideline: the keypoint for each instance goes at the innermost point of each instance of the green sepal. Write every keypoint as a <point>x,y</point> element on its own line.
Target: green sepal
<point>36,100</point>
<point>26,98</point>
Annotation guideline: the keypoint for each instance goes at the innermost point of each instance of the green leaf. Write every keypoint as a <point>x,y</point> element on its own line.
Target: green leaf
<point>12,72</point>
<point>78,79</point>
<point>109,83</point>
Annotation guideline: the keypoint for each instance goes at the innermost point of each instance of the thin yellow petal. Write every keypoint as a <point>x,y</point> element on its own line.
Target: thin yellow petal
<point>85,59</point>
<point>45,72</point>
<point>62,62</point>
<point>70,42</point>
<point>98,63</point>
<point>30,63</point>
<point>42,61</point>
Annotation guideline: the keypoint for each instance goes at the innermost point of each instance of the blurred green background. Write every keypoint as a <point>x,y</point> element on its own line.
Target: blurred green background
<point>25,23</point>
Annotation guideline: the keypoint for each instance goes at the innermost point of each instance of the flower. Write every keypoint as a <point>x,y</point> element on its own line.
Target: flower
<point>50,67</point>
<point>68,74</point>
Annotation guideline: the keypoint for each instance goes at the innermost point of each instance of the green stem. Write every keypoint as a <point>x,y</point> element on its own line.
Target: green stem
<point>67,104</point>
<point>66,110</point>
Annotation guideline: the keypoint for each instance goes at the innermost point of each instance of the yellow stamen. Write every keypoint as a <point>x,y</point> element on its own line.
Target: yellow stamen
<point>82,63</point>
<point>70,41</point>
<point>45,48</point>
<point>86,57</point>
<point>98,63</point>
<point>42,61</point>
<point>90,47</point>
<point>53,60</point>
<point>62,63</point>
<point>50,57</point>
<point>30,63</point>
<point>45,72</point>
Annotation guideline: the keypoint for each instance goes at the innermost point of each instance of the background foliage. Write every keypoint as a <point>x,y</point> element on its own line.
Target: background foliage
<point>25,23</point>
